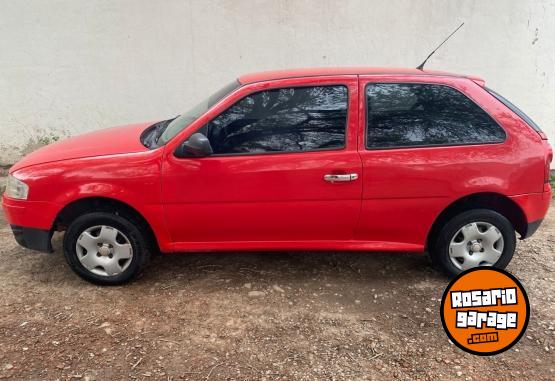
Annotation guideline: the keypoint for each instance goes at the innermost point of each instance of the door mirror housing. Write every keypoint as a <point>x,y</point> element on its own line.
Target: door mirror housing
<point>197,145</point>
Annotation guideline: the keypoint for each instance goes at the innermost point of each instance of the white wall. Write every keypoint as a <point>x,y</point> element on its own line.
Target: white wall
<point>73,66</point>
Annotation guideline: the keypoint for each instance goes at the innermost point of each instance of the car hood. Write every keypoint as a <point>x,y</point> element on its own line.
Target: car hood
<point>110,141</point>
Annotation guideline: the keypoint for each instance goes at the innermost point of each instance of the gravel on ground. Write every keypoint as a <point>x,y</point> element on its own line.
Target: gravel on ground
<point>263,316</point>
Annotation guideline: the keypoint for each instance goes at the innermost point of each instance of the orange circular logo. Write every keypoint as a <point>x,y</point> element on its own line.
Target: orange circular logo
<point>485,311</point>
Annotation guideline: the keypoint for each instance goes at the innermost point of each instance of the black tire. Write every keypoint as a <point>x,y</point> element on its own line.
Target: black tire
<point>131,229</point>
<point>439,250</point>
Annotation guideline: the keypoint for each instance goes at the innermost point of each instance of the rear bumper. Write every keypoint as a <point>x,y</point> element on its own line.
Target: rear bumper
<point>535,206</point>
<point>531,228</point>
<point>34,239</point>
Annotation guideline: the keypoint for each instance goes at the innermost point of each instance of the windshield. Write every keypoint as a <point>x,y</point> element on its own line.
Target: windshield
<point>178,124</point>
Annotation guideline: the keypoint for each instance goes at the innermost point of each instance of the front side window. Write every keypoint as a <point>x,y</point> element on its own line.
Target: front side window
<point>282,120</point>
<point>407,115</point>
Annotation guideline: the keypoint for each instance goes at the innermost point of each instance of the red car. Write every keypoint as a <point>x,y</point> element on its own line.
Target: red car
<point>317,159</point>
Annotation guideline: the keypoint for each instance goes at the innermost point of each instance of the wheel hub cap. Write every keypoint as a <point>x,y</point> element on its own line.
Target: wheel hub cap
<point>104,250</point>
<point>476,244</point>
<point>476,247</point>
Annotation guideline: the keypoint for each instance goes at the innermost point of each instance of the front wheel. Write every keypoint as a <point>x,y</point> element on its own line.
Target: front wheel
<point>478,237</point>
<point>105,248</point>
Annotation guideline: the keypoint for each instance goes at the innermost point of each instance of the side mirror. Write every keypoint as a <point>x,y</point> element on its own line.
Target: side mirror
<point>197,145</point>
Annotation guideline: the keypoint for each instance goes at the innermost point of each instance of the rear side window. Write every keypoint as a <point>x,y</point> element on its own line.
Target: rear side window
<point>515,109</point>
<point>282,120</point>
<point>409,115</point>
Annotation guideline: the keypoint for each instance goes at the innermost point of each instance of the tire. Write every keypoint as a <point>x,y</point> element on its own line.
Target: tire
<point>483,229</point>
<point>117,243</point>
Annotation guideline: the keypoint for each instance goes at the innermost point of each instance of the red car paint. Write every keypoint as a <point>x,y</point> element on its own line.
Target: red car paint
<point>279,201</point>
<point>110,141</point>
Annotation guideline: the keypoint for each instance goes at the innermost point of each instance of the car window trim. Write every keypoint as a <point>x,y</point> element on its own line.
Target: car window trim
<point>346,134</point>
<point>514,108</point>
<point>424,145</point>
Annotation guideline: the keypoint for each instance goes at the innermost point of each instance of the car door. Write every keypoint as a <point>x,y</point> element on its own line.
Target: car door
<point>285,172</point>
<point>423,148</point>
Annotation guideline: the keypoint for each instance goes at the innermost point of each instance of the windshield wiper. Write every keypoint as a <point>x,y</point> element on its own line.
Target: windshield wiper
<point>150,136</point>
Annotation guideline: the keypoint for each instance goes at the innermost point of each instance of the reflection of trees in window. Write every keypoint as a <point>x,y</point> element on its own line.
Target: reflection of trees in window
<point>289,119</point>
<point>424,114</point>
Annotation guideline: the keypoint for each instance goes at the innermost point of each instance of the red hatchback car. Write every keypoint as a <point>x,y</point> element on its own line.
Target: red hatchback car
<point>315,159</point>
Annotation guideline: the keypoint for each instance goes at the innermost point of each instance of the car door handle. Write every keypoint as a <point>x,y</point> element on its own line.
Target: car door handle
<point>341,178</point>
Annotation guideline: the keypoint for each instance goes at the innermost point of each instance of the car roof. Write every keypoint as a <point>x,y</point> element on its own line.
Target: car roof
<point>332,71</point>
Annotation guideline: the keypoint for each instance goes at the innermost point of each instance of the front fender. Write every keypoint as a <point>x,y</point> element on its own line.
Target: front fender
<point>133,179</point>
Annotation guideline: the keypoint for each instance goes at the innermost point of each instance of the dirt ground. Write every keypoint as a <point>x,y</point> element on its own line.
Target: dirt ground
<point>317,316</point>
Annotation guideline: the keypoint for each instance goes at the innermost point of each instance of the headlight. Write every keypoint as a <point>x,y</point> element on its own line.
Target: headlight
<point>16,188</point>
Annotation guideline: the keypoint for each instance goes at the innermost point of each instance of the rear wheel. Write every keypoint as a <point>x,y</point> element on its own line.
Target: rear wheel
<point>478,237</point>
<point>105,248</point>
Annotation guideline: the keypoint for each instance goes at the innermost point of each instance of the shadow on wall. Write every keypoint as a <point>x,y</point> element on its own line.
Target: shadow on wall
<point>42,140</point>
<point>3,173</point>
<point>15,153</point>
<point>32,144</point>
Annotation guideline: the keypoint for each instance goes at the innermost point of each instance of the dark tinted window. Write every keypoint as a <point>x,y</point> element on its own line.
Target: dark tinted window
<point>282,120</point>
<point>401,115</point>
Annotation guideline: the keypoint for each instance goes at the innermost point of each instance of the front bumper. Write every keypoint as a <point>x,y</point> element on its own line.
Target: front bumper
<point>36,214</point>
<point>32,238</point>
<point>31,222</point>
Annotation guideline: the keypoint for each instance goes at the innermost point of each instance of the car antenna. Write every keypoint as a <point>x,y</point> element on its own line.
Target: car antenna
<point>421,66</point>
